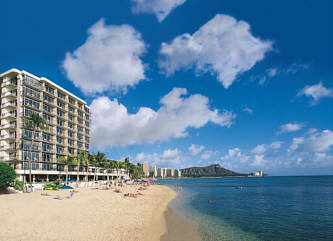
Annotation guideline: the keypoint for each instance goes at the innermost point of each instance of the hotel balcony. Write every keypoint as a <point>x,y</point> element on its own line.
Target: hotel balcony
<point>8,137</point>
<point>8,115</point>
<point>8,83</point>
<point>8,126</point>
<point>9,105</point>
<point>9,94</point>
<point>7,147</point>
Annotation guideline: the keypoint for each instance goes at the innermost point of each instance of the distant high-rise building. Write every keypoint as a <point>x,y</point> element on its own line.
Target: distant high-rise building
<point>152,171</point>
<point>162,172</point>
<point>145,168</point>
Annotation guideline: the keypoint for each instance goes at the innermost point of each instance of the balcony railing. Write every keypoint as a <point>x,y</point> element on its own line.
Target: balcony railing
<point>8,115</point>
<point>9,104</point>
<point>4,126</point>
<point>9,83</point>
<point>9,94</point>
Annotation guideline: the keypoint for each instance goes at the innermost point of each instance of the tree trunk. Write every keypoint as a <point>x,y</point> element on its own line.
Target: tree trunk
<point>66,182</point>
<point>77,176</point>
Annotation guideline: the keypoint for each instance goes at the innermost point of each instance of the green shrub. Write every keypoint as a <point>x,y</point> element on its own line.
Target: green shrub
<point>51,186</point>
<point>7,175</point>
<point>18,185</point>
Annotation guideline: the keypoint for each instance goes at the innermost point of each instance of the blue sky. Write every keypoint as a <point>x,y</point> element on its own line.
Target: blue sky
<point>247,84</point>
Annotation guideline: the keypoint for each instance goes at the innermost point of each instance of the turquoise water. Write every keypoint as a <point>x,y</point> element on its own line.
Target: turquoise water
<point>271,208</point>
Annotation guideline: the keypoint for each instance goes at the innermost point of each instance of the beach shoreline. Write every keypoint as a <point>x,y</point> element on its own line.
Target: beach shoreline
<point>92,215</point>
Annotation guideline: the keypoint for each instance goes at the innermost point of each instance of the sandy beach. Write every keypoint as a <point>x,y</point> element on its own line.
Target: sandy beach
<point>93,215</point>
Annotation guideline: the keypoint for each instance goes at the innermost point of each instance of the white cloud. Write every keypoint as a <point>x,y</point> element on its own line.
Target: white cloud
<point>112,125</point>
<point>296,142</point>
<point>161,8</point>
<point>276,144</point>
<point>235,155</point>
<point>195,149</point>
<point>259,149</point>
<point>108,60</point>
<point>271,72</point>
<point>258,160</point>
<point>223,46</point>
<point>290,127</point>
<point>317,142</point>
<point>207,154</point>
<point>322,159</point>
<point>170,158</point>
<point>248,110</point>
<point>317,92</point>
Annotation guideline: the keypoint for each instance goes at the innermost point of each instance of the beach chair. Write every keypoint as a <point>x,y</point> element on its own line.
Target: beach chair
<point>58,197</point>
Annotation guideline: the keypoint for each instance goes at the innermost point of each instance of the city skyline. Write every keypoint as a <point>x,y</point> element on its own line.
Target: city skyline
<point>176,92</point>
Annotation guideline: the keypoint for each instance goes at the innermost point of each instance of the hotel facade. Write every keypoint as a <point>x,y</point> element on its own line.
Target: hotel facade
<point>68,118</point>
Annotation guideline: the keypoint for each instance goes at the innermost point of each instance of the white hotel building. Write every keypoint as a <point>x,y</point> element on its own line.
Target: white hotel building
<point>68,117</point>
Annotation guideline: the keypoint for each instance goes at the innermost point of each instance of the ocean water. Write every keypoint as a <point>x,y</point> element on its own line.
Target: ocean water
<point>270,208</point>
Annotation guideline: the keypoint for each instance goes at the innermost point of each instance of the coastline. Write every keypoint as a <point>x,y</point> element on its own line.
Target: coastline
<point>93,215</point>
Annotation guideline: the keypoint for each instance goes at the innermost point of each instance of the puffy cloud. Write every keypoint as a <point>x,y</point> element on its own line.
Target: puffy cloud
<point>317,92</point>
<point>235,155</point>
<point>195,149</point>
<point>322,159</point>
<point>113,125</point>
<point>108,60</point>
<point>290,127</point>
<point>276,144</point>
<point>259,149</point>
<point>207,154</point>
<point>258,160</point>
<point>161,8</point>
<point>223,46</point>
<point>316,142</point>
<point>248,110</point>
<point>170,158</point>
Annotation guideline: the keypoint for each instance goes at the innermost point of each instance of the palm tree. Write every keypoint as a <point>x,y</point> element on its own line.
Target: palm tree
<point>100,159</point>
<point>127,164</point>
<point>107,166</point>
<point>113,164</point>
<point>67,161</point>
<point>35,122</point>
<point>118,165</point>
<point>82,157</point>
<point>93,161</point>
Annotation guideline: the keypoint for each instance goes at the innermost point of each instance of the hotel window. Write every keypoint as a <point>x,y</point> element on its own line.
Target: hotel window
<point>31,103</point>
<point>60,140</point>
<point>70,134</point>
<point>60,149</point>
<point>46,147</point>
<point>79,137</point>
<point>28,134</point>
<point>70,125</point>
<point>61,95</point>
<point>79,144</point>
<point>32,82</point>
<point>80,113</point>
<point>47,98</point>
<point>86,139</point>
<point>61,104</point>
<point>87,146</point>
<point>80,105</point>
<point>70,117</point>
<point>34,156</point>
<point>80,129</point>
<point>87,124</point>
<point>47,108</point>
<point>47,117</point>
<point>49,89</point>
<point>60,131</point>
<point>31,92</point>
<point>71,109</point>
<point>28,112</point>
<point>86,109</point>
<point>71,150</point>
<point>80,121</point>
<point>46,137</point>
<point>71,101</point>
<point>70,142</point>
<point>46,157</point>
<point>87,132</point>
<point>29,145</point>
<point>46,166</point>
<point>60,122</point>
<point>60,113</point>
